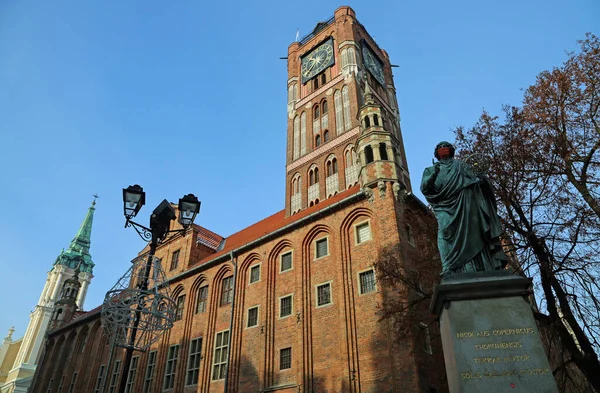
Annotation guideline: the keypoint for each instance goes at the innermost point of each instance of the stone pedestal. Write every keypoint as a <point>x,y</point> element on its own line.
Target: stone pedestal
<point>490,339</point>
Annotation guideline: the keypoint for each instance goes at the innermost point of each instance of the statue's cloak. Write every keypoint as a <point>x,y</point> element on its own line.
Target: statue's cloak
<point>465,208</point>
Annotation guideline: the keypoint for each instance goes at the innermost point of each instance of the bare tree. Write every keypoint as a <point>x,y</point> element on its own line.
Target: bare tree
<point>543,161</point>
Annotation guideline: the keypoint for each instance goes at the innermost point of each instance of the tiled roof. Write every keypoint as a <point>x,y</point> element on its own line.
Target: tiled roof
<point>208,238</point>
<point>274,222</point>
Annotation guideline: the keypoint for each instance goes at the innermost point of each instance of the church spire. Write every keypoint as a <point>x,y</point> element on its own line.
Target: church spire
<point>79,249</point>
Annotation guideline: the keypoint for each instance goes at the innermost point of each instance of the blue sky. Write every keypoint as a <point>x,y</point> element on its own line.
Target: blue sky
<point>190,96</point>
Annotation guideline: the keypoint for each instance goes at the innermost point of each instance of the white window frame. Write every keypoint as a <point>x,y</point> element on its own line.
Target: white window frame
<point>257,307</point>
<point>291,296</point>
<point>281,261</point>
<point>114,377</point>
<point>129,385</point>
<point>360,291</point>
<point>257,266</point>
<point>170,373</point>
<point>291,359</point>
<point>358,224</point>
<point>326,238</point>
<point>149,373</point>
<point>330,294</point>
<point>99,378</point>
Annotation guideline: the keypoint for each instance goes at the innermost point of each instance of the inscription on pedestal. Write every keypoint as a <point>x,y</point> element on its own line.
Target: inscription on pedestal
<point>493,345</point>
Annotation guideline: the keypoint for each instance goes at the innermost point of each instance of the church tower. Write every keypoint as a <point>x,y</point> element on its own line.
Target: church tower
<point>338,78</point>
<point>76,256</point>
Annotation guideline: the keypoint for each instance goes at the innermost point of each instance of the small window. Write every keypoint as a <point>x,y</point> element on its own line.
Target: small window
<point>316,112</point>
<point>62,382</point>
<point>254,274</point>
<point>323,294</point>
<point>174,260</point>
<point>321,248</point>
<point>409,235</point>
<point>369,154</point>
<point>375,120</point>
<point>201,301</point>
<point>367,281</point>
<point>74,380</point>
<point>323,79</point>
<point>426,337</point>
<point>318,141</point>
<point>171,367</point>
<point>286,261</point>
<point>285,306</point>
<point>179,310</point>
<point>227,291</point>
<point>114,378</point>
<point>383,151</point>
<point>367,122</point>
<point>252,316</point>
<point>324,107</point>
<point>363,232</point>
<point>326,136</point>
<point>316,83</point>
<point>193,367</point>
<point>285,359</point>
<point>149,377</point>
<point>98,379</point>
<point>220,355</point>
<point>131,375</point>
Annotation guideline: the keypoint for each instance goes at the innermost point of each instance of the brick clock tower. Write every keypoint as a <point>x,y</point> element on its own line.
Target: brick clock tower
<point>343,117</point>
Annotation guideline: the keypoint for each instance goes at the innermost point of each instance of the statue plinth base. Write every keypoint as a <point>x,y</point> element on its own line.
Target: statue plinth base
<point>490,338</point>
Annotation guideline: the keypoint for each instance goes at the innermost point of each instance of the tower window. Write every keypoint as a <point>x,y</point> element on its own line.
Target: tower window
<point>326,136</point>
<point>315,83</point>
<point>383,151</point>
<point>174,260</point>
<point>367,122</point>
<point>324,107</point>
<point>316,112</point>
<point>285,359</point>
<point>314,176</point>
<point>318,141</point>
<point>323,294</point>
<point>252,317</point>
<point>285,306</point>
<point>369,154</point>
<point>367,281</point>
<point>375,119</point>
<point>323,79</point>
<point>332,168</point>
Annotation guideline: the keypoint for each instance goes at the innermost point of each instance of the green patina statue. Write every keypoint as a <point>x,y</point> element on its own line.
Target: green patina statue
<point>469,228</point>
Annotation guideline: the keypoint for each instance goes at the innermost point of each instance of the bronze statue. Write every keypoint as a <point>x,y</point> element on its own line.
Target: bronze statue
<point>469,228</point>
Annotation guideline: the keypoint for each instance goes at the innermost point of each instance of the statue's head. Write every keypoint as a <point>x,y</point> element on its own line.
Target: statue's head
<point>444,150</point>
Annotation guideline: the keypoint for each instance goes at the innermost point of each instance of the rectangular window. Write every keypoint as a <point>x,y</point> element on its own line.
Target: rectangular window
<point>253,316</point>
<point>131,374</point>
<point>227,291</point>
<point>254,273</point>
<point>60,385</point>
<point>323,294</point>
<point>172,355</point>
<point>363,232</point>
<point>201,302</point>
<point>149,377</point>
<point>286,261</point>
<point>99,379</point>
<point>285,358</point>
<point>321,248</point>
<point>179,310</point>
<point>220,356</point>
<point>174,260</point>
<point>285,306</point>
<point>114,378</point>
<point>72,385</point>
<point>193,367</point>
<point>367,281</point>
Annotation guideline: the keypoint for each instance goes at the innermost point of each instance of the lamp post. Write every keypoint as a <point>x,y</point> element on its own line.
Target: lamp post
<point>132,303</point>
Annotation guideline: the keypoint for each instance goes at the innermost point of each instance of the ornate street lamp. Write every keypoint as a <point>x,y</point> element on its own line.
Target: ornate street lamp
<point>138,309</point>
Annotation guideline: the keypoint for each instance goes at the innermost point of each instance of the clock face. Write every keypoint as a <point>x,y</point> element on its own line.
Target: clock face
<point>317,60</point>
<point>373,64</point>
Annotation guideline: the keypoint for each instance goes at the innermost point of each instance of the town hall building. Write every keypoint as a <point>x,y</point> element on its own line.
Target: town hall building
<point>291,303</point>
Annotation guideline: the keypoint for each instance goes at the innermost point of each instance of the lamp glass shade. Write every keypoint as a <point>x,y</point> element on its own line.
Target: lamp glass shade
<point>189,206</point>
<point>133,200</point>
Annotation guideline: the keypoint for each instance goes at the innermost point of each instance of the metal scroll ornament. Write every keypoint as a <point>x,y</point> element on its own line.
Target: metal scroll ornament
<point>138,309</point>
